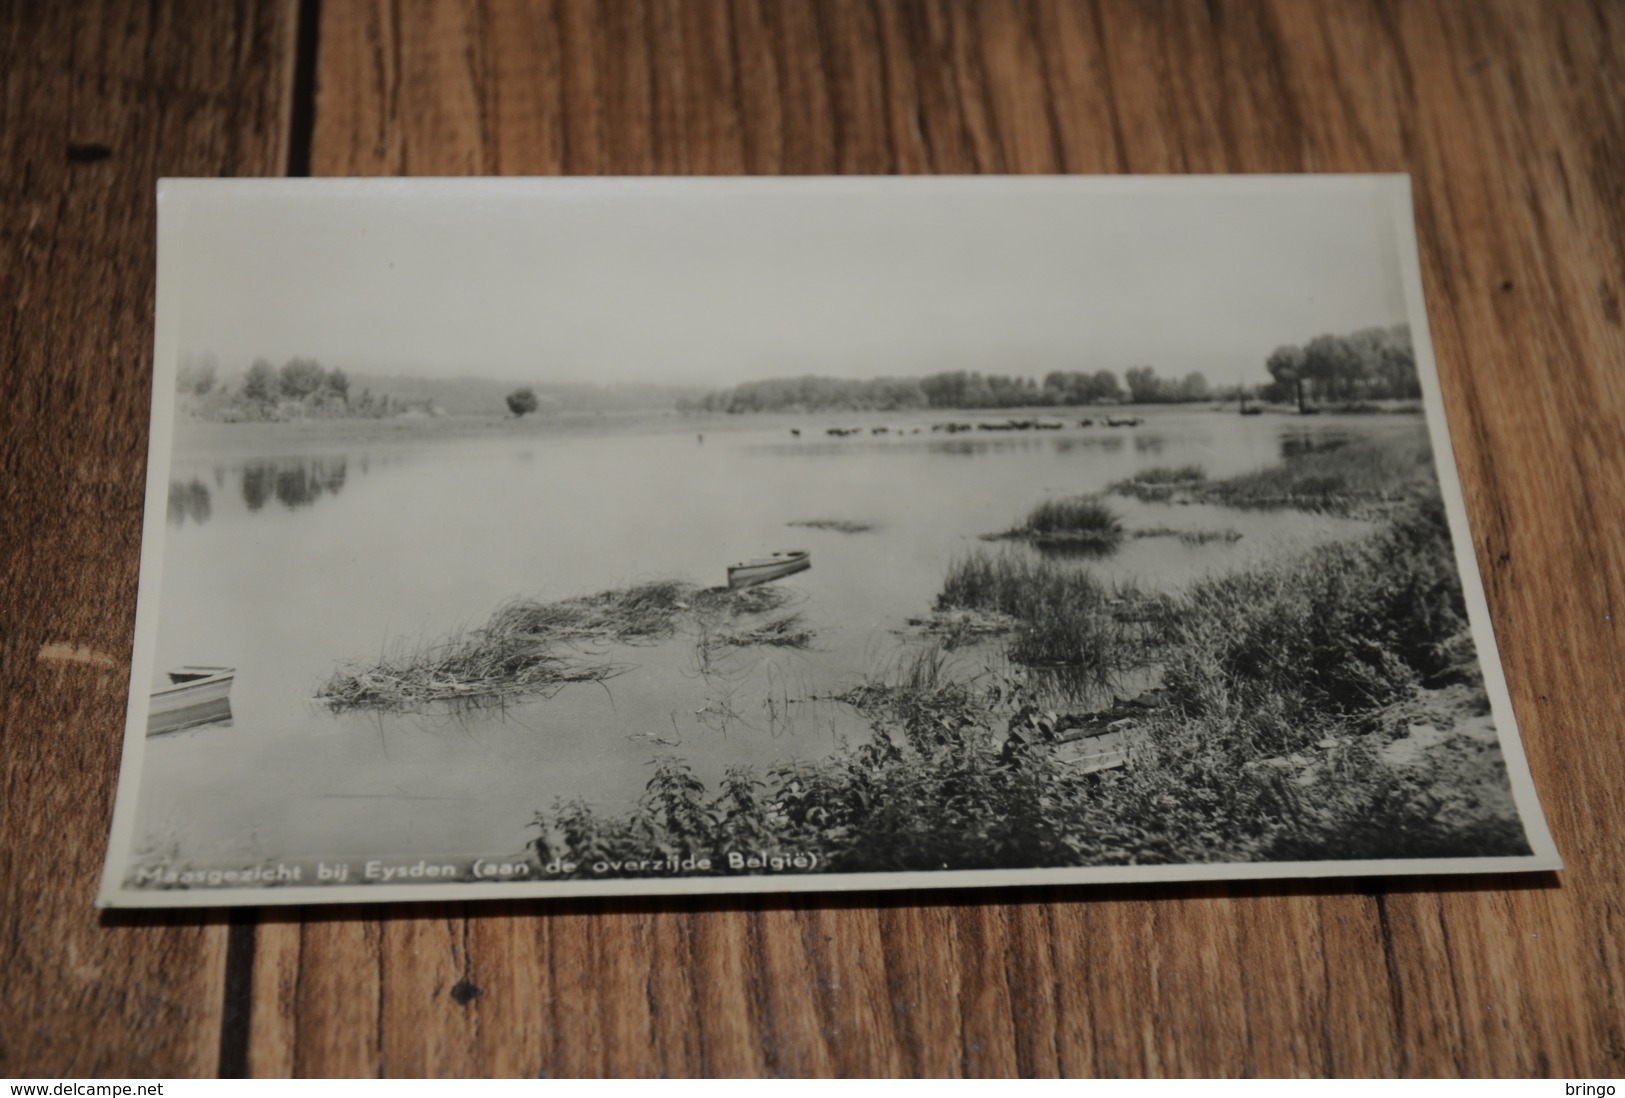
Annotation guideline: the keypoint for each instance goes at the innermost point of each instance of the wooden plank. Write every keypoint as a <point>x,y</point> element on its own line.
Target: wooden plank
<point>100,99</point>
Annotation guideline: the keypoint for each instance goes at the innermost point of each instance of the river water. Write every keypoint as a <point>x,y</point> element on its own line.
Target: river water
<point>287,566</point>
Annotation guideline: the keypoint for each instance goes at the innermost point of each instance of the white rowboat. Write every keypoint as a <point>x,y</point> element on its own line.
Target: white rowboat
<point>749,573</point>
<point>199,695</point>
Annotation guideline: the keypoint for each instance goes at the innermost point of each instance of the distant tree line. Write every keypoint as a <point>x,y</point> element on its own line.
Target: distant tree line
<point>301,379</point>
<point>1372,364</point>
<point>952,389</point>
<point>299,387</point>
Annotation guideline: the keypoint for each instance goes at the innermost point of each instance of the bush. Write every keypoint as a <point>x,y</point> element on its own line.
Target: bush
<point>521,402</point>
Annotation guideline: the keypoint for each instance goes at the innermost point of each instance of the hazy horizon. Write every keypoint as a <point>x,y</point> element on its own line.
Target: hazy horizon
<point>710,283</point>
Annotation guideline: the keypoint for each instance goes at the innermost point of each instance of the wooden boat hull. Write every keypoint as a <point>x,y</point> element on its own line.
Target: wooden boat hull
<point>199,696</point>
<point>751,572</point>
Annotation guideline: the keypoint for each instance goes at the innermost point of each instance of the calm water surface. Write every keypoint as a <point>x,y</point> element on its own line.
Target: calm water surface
<point>287,567</point>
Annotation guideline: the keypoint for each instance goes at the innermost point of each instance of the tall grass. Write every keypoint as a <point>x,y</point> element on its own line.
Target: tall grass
<point>1339,631</point>
<point>1066,617</point>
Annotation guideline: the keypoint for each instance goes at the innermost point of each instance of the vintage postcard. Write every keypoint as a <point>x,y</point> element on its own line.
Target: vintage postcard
<point>606,536</point>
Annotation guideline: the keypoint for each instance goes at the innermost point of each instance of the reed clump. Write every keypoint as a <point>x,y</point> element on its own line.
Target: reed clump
<point>535,648</point>
<point>475,667</point>
<point>1189,536</point>
<point>644,612</point>
<point>1162,483</point>
<point>1082,520</point>
<point>840,526</point>
<point>1363,478</point>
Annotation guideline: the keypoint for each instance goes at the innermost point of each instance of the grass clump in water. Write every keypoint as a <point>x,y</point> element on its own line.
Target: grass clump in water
<point>840,526</point>
<point>1361,478</point>
<point>1189,537</point>
<point>645,612</point>
<point>1356,477</point>
<point>530,647</point>
<point>480,666</point>
<point>1082,520</point>
<point>1162,483</point>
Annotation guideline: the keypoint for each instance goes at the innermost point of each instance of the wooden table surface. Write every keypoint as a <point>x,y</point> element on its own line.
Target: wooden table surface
<point>1511,119</point>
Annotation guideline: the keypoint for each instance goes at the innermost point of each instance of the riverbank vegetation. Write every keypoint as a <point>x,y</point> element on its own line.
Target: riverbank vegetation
<point>1350,477</point>
<point>1323,705</point>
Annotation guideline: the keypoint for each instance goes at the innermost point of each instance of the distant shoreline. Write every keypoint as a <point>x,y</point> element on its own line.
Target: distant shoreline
<point>196,439</point>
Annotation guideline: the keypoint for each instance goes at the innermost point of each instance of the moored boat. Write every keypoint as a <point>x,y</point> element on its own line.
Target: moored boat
<point>197,695</point>
<point>748,573</point>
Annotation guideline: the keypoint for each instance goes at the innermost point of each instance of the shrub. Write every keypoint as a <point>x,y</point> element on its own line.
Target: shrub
<point>522,402</point>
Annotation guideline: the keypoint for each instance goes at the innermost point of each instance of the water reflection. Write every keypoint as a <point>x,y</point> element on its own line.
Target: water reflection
<point>974,446</point>
<point>189,499</point>
<point>1072,550</point>
<point>294,482</point>
<point>1298,443</point>
<point>1109,444</point>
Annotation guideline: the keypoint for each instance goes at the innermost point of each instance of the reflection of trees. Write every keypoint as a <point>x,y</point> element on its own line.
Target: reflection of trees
<point>189,500</point>
<point>1072,550</point>
<point>1108,443</point>
<point>294,482</point>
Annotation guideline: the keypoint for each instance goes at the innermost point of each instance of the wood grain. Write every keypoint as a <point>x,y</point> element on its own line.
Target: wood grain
<point>1508,117</point>
<point>100,99</point>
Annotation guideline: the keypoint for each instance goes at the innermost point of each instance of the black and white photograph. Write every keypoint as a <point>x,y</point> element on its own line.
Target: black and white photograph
<point>607,536</point>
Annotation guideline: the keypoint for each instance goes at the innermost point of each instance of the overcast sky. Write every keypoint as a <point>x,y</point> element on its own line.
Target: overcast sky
<point>714,282</point>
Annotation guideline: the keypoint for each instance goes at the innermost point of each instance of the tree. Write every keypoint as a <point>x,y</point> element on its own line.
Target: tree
<point>522,401</point>
<point>300,377</point>
<point>1104,386</point>
<point>339,384</point>
<point>1285,365</point>
<point>261,383</point>
<point>1142,384</point>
